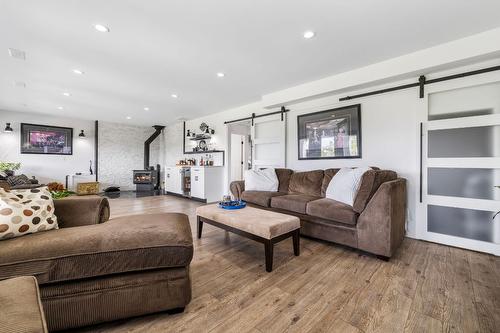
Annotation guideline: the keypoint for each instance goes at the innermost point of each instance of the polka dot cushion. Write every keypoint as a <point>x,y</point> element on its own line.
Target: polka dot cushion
<point>25,212</point>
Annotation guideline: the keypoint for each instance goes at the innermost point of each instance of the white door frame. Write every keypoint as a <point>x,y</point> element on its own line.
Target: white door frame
<point>228,150</point>
<point>448,201</point>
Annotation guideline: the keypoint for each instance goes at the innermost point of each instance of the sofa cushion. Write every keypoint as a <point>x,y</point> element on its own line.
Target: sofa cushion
<point>18,180</point>
<point>328,175</point>
<point>345,184</point>
<point>332,210</point>
<point>125,244</point>
<point>261,198</point>
<point>293,202</point>
<point>21,308</point>
<point>261,180</point>
<point>24,212</point>
<point>308,182</point>
<point>284,179</point>
<point>370,182</point>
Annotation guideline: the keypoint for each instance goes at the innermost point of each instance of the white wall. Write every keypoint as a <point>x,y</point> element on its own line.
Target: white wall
<point>47,168</point>
<point>121,150</point>
<point>390,131</point>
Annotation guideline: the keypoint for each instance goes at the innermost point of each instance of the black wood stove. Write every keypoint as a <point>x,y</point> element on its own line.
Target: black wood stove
<point>149,178</point>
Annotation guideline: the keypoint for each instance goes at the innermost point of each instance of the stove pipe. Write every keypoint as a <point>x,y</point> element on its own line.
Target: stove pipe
<point>157,132</point>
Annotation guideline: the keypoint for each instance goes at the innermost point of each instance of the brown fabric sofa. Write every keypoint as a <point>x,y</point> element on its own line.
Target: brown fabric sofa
<point>375,223</point>
<point>91,272</point>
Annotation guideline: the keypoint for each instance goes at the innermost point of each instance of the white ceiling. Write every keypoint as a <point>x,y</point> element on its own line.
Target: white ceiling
<point>157,48</point>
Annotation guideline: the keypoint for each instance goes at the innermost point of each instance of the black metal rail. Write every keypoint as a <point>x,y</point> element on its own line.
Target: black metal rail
<point>253,116</point>
<point>422,81</point>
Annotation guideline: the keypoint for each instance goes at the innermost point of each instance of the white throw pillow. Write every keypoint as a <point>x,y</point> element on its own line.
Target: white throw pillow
<point>345,185</point>
<point>261,180</point>
<point>25,212</point>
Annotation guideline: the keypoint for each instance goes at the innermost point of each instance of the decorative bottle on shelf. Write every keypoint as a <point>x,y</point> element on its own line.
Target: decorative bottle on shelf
<point>201,161</point>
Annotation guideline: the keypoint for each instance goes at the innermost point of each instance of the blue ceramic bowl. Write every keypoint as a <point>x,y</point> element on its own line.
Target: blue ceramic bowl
<point>233,204</point>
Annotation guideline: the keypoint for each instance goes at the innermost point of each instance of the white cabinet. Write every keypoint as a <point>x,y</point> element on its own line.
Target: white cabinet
<point>173,180</point>
<point>207,183</point>
<point>198,183</point>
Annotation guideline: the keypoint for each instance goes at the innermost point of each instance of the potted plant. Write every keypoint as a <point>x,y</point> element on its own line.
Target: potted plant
<point>8,168</point>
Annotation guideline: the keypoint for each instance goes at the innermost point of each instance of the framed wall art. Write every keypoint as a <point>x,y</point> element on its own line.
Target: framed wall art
<point>43,139</point>
<point>330,134</point>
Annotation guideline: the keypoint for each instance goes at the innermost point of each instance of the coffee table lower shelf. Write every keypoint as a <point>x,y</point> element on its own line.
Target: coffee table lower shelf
<point>268,243</point>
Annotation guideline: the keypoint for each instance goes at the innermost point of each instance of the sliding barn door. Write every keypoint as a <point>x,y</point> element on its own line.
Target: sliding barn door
<point>269,142</point>
<point>461,167</point>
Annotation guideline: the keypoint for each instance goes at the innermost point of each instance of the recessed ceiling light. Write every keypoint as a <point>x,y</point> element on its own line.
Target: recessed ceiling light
<point>129,117</point>
<point>77,71</point>
<point>19,84</point>
<point>60,108</point>
<point>101,28</point>
<point>146,108</point>
<point>174,95</point>
<point>309,34</point>
<point>18,54</point>
<point>220,74</point>
<point>67,94</point>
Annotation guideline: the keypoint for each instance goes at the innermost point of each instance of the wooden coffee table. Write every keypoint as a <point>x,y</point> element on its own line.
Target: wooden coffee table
<point>260,225</point>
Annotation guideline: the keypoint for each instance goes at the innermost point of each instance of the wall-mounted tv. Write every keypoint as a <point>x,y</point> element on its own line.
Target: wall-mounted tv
<point>43,139</point>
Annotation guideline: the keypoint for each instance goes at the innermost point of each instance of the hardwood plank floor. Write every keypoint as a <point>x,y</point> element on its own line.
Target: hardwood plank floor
<point>426,287</point>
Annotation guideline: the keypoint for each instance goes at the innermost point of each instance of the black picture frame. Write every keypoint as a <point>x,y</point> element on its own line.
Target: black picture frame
<point>62,142</point>
<point>346,119</point>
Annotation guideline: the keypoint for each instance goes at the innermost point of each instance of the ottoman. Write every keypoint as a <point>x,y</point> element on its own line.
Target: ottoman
<point>20,306</point>
<point>257,224</point>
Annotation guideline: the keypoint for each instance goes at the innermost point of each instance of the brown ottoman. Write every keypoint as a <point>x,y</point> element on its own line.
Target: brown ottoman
<point>260,225</point>
<point>20,306</point>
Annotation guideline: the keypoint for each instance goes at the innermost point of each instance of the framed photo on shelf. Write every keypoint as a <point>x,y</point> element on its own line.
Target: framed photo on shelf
<point>43,139</point>
<point>330,134</point>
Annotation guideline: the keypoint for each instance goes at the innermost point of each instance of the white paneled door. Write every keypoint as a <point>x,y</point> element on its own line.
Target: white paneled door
<point>269,141</point>
<point>461,168</point>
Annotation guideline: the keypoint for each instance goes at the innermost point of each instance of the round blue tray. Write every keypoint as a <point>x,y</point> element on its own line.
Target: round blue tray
<point>240,204</point>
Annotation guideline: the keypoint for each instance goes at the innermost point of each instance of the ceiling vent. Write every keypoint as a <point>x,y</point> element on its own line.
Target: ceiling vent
<point>19,84</point>
<point>18,54</point>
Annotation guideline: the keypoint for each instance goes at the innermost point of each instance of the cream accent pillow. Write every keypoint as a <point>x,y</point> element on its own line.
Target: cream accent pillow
<point>345,185</point>
<point>25,212</point>
<point>261,180</point>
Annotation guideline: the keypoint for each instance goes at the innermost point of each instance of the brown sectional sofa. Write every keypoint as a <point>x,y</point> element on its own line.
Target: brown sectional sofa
<point>375,223</point>
<point>91,272</point>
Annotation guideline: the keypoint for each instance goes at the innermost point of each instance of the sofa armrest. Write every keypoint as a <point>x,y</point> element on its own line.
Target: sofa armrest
<point>237,187</point>
<point>77,211</point>
<point>381,225</point>
<point>21,309</point>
